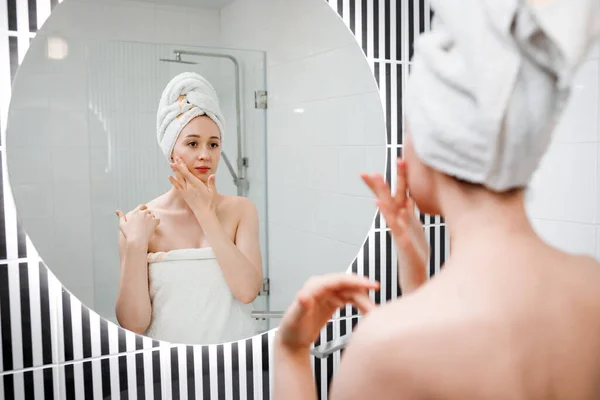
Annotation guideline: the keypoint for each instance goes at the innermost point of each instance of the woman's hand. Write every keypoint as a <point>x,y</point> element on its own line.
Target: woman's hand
<point>316,302</point>
<point>197,194</point>
<point>407,230</point>
<point>138,225</point>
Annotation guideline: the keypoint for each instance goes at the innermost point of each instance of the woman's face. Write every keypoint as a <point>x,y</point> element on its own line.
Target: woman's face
<point>420,180</point>
<point>199,146</point>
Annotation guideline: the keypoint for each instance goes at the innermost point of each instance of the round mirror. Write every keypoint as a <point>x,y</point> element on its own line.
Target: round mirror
<point>283,115</point>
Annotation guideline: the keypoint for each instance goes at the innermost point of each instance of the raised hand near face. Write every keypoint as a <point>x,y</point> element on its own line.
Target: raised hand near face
<point>407,230</point>
<point>138,225</point>
<point>316,302</point>
<point>197,194</point>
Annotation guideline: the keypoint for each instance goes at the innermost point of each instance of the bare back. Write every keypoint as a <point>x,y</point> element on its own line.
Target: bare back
<point>179,228</point>
<point>524,323</point>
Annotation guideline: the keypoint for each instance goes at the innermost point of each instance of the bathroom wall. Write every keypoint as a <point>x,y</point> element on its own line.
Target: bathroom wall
<point>563,200</point>
<point>54,347</point>
<point>308,170</point>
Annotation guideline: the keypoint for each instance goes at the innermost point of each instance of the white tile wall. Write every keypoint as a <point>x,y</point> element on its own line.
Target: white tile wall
<point>318,126</point>
<point>35,83</point>
<point>31,167</point>
<point>69,128</point>
<point>563,199</point>
<point>579,122</point>
<point>72,201</point>
<point>568,236</point>
<point>38,199</point>
<point>69,164</point>
<point>68,91</point>
<point>78,238</point>
<point>564,187</point>
<point>29,120</point>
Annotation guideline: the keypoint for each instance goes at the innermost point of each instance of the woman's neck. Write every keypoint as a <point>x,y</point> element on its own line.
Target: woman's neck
<point>176,200</point>
<point>480,217</point>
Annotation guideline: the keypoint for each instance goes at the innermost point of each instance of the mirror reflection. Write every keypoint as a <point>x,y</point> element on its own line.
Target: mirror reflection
<point>190,258</point>
<point>190,185</point>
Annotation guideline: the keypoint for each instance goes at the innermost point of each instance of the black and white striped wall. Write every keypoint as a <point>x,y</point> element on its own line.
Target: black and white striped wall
<point>53,347</point>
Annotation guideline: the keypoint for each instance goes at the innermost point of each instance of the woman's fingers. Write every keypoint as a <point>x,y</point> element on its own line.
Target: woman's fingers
<point>407,232</point>
<point>332,283</point>
<point>378,186</point>
<point>398,223</point>
<point>318,290</point>
<point>416,228</point>
<point>178,176</point>
<point>335,299</point>
<point>182,169</point>
<point>393,218</point>
<point>175,183</point>
<point>368,180</point>
<point>388,211</point>
<point>362,302</point>
<point>299,308</point>
<point>211,183</point>
<point>400,196</point>
<point>337,282</point>
<point>151,214</point>
<point>412,212</point>
<point>122,217</point>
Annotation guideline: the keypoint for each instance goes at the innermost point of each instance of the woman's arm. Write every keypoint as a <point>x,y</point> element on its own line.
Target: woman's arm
<point>133,308</point>
<point>295,376</point>
<point>318,299</point>
<point>405,228</point>
<point>241,262</point>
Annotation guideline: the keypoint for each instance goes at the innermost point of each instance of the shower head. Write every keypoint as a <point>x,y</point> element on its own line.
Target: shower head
<point>177,60</point>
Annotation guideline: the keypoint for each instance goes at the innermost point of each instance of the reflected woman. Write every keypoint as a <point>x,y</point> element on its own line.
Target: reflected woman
<point>190,259</point>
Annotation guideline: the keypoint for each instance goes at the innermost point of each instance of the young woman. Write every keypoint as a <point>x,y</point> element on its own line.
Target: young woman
<point>509,317</point>
<point>190,259</point>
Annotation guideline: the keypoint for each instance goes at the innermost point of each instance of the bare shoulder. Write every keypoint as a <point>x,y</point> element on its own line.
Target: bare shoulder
<point>238,204</point>
<point>389,355</point>
<point>157,203</point>
<point>397,348</point>
<point>578,268</point>
<point>580,274</point>
<point>154,204</point>
<point>588,262</point>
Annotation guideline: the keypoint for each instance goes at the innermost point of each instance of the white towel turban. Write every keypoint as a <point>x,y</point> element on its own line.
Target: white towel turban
<point>187,96</point>
<point>489,81</point>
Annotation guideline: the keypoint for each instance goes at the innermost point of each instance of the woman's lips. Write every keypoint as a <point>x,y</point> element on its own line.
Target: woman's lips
<point>202,169</point>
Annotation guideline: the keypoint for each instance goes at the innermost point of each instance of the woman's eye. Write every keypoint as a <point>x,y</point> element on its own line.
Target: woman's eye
<point>214,145</point>
<point>192,144</point>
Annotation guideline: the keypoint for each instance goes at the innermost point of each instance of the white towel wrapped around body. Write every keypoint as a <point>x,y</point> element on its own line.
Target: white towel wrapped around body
<point>186,97</point>
<point>191,301</point>
<point>489,81</point>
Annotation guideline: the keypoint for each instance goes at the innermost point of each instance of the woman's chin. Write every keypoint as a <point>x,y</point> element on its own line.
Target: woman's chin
<point>202,176</point>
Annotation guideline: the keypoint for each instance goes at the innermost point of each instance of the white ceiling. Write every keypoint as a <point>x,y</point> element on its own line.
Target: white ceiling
<point>216,4</point>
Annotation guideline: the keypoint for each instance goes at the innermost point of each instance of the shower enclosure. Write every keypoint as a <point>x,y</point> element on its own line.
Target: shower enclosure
<point>127,167</point>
